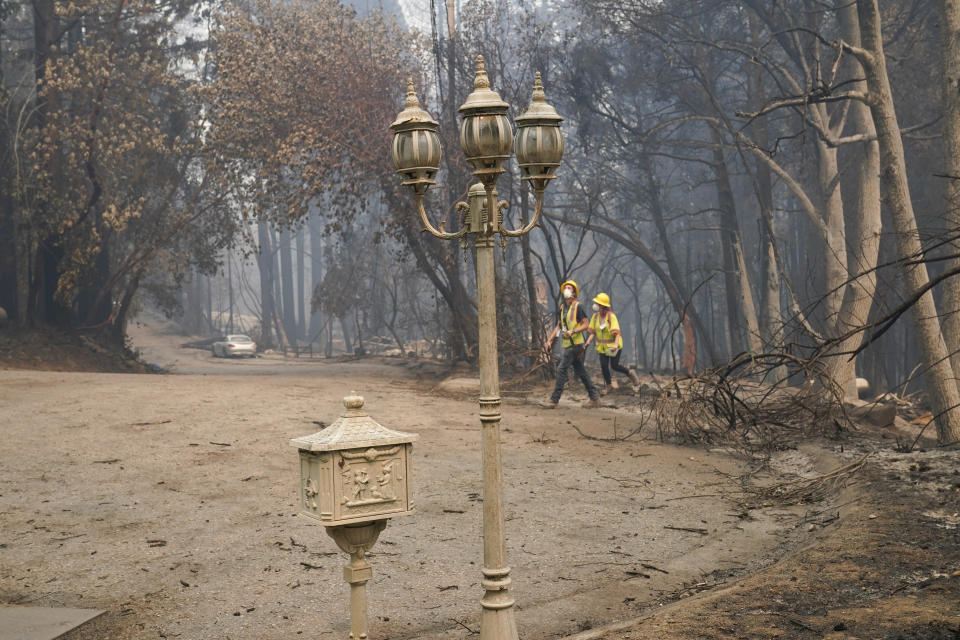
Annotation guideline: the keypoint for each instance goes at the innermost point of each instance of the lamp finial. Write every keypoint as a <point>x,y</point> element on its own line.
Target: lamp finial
<point>481,81</point>
<point>538,93</point>
<point>412,100</point>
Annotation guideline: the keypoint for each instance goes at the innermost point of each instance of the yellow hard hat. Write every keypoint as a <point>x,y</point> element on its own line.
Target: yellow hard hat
<point>602,299</point>
<point>576,289</point>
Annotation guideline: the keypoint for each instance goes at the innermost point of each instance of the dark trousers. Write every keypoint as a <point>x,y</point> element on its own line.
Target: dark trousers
<point>571,357</point>
<point>606,363</point>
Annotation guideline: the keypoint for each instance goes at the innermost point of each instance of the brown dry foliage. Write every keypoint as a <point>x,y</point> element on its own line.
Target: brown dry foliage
<point>300,105</point>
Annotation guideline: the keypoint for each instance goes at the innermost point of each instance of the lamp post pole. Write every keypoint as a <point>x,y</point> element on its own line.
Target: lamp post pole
<point>496,619</point>
<point>485,136</point>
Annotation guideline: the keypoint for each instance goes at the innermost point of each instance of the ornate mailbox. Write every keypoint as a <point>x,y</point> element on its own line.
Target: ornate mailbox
<point>354,475</point>
<point>355,470</point>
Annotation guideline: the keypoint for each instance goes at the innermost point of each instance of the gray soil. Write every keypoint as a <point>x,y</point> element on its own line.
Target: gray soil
<point>170,501</point>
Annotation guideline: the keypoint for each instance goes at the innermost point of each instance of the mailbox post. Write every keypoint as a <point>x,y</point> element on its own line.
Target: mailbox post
<point>354,476</point>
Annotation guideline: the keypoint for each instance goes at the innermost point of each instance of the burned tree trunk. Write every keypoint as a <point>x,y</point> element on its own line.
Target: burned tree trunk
<point>864,228</point>
<point>265,264</point>
<point>740,305</point>
<point>942,386</point>
<point>287,314</point>
<point>950,59</point>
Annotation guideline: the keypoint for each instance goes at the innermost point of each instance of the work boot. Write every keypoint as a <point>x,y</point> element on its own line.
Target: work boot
<point>548,404</point>
<point>604,390</point>
<point>614,384</point>
<point>634,378</point>
<point>593,403</point>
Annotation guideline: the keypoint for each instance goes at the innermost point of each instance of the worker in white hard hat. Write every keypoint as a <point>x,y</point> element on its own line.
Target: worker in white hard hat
<point>572,322</point>
<point>604,328</point>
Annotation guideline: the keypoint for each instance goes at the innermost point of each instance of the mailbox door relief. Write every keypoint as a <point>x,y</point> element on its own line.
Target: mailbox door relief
<point>368,480</point>
<point>355,485</point>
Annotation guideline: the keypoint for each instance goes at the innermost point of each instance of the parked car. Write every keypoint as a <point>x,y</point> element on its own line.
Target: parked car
<point>234,345</point>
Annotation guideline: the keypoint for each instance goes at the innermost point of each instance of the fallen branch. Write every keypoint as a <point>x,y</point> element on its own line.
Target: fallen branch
<point>653,568</point>
<point>807,490</point>
<point>702,532</point>
<point>472,632</point>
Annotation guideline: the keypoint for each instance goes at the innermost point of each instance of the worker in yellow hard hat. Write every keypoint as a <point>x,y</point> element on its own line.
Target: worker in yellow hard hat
<point>605,329</point>
<point>572,322</point>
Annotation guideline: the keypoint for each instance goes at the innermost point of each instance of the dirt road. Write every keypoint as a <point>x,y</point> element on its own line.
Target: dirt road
<point>170,501</point>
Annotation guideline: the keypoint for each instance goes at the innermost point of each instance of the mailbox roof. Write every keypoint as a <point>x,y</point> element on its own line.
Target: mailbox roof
<point>352,430</point>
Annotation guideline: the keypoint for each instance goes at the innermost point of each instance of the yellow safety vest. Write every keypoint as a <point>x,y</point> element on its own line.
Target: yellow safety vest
<point>569,324</point>
<point>608,337</point>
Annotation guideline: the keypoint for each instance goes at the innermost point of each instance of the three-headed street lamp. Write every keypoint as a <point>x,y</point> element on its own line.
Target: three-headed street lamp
<point>485,137</point>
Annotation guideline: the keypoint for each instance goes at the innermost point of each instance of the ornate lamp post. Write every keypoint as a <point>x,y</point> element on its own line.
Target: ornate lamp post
<point>485,136</point>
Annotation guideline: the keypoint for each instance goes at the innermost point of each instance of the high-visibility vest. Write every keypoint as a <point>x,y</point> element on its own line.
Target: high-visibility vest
<point>569,324</point>
<point>609,336</point>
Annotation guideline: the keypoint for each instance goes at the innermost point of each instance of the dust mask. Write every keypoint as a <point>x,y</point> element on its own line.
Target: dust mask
<point>596,307</point>
<point>567,293</point>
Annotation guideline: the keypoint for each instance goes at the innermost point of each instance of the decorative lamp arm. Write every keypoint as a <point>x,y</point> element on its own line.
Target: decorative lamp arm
<point>516,233</point>
<point>438,233</point>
